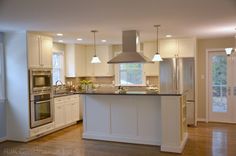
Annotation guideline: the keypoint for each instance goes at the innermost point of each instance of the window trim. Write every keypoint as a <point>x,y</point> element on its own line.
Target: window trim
<point>2,75</point>
<point>62,77</point>
<point>117,78</point>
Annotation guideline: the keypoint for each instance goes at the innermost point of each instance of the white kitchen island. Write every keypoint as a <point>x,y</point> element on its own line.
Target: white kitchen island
<point>142,118</point>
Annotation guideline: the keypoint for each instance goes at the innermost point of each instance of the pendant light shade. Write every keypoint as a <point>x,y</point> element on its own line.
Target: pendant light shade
<point>228,51</point>
<point>95,58</point>
<point>157,56</point>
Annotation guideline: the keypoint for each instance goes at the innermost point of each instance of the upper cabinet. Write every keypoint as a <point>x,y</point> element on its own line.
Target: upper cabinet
<point>186,47</point>
<point>39,51</point>
<point>168,48</point>
<point>149,50</point>
<point>75,60</point>
<point>101,69</point>
<point>183,47</point>
<point>78,61</point>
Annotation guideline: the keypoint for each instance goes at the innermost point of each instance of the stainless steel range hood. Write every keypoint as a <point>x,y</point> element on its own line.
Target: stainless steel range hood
<point>130,49</point>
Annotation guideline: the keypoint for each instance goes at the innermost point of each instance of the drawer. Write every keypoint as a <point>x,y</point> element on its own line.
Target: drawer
<point>67,99</point>
<point>41,129</point>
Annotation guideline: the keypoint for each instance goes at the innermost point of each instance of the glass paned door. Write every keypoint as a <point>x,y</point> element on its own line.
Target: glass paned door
<point>219,87</point>
<point>219,83</point>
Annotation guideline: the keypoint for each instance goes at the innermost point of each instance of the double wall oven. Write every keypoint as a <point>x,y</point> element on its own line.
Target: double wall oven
<point>41,98</point>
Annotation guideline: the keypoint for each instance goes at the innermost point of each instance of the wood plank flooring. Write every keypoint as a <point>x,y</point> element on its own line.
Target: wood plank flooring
<point>212,139</point>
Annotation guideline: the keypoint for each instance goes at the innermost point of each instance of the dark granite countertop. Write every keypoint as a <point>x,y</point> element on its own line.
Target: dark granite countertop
<point>112,92</point>
<point>152,93</point>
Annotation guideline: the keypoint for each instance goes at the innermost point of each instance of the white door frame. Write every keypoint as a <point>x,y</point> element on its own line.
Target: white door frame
<point>208,51</point>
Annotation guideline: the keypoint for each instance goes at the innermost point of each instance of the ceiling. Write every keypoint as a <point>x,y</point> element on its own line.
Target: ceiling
<point>76,18</point>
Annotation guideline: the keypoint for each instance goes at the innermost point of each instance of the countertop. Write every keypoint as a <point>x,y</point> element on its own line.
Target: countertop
<point>112,92</point>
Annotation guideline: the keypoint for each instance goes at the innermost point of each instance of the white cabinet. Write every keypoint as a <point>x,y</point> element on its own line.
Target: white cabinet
<point>75,60</point>
<point>66,110</point>
<point>59,114</point>
<point>181,47</point>
<point>168,48</point>
<point>102,69</point>
<point>186,47</point>
<point>39,51</point>
<point>89,65</point>
<point>68,113</point>
<point>78,61</point>
<point>105,54</point>
<point>33,50</point>
<point>149,50</point>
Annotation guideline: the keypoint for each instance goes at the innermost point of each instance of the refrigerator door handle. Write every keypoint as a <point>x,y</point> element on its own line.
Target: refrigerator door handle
<point>234,90</point>
<point>229,91</point>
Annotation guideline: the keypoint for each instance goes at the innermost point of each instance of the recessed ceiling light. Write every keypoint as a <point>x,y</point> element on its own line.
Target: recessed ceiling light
<point>168,36</point>
<point>79,39</point>
<point>59,34</point>
<point>104,40</point>
<point>60,41</point>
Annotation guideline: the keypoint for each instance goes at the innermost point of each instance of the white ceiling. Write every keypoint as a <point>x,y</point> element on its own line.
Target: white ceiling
<point>76,18</point>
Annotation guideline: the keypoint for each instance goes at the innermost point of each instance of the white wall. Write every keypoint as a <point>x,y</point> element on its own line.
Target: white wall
<point>2,94</point>
<point>15,44</point>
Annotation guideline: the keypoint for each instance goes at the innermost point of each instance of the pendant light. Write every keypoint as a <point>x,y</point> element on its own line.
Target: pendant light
<point>95,58</point>
<point>157,56</point>
<point>228,51</point>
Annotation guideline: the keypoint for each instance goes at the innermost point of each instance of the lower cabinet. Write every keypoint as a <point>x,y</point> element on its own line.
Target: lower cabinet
<point>59,115</point>
<point>66,110</point>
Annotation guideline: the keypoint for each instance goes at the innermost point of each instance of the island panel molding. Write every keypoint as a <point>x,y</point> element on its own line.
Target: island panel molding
<point>141,119</point>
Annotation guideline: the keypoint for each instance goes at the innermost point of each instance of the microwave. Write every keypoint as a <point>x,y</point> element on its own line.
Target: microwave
<point>40,80</point>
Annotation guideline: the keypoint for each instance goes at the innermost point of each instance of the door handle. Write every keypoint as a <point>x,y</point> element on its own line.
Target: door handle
<point>229,90</point>
<point>234,90</point>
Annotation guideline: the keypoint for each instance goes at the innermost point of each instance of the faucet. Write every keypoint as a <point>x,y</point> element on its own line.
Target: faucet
<point>57,85</point>
<point>58,82</point>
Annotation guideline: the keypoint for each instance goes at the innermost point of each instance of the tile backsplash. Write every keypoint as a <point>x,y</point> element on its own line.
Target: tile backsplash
<point>108,81</point>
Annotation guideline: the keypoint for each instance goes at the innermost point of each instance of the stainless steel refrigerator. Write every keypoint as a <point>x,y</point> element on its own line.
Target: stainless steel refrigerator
<point>177,74</point>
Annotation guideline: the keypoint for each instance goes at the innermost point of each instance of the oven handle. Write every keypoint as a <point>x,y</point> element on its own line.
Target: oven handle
<point>42,101</point>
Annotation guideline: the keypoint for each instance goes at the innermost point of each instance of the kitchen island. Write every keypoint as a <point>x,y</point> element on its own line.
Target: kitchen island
<point>136,117</point>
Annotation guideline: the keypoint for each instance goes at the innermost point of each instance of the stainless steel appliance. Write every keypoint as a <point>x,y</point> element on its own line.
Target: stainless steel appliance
<point>41,97</point>
<point>41,109</point>
<point>40,79</point>
<point>177,74</point>
<point>130,49</point>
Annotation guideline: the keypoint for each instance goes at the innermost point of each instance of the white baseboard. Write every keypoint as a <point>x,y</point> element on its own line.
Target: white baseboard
<point>49,132</point>
<point>3,139</point>
<point>120,139</point>
<point>176,149</point>
<point>201,119</point>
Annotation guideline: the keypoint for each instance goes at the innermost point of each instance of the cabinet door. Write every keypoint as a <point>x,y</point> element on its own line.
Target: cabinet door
<point>70,60</point>
<point>186,47</point>
<point>68,112</point>
<point>59,115</point>
<point>33,50</point>
<point>168,48</point>
<point>89,65</point>
<point>75,111</point>
<point>46,51</point>
<point>149,50</point>
<point>80,61</point>
<point>103,68</point>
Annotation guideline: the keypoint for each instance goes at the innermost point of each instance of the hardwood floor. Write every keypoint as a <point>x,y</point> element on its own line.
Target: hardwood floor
<point>212,139</point>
